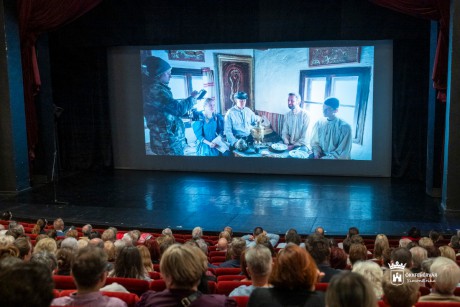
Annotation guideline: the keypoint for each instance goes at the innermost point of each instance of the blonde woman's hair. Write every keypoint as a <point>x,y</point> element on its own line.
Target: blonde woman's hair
<point>184,265</point>
<point>146,259</point>
<point>46,244</point>
<point>373,273</point>
<point>448,252</point>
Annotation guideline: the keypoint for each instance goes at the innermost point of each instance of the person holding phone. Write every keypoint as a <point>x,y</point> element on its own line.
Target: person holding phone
<point>162,112</point>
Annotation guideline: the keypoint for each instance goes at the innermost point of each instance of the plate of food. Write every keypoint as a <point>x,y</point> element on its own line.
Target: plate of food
<point>278,147</point>
<point>298,154</point>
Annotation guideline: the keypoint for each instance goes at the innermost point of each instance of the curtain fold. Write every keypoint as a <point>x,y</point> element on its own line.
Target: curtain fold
<point>208,82</point>
<point>36,17</point>
<point>438,10</point>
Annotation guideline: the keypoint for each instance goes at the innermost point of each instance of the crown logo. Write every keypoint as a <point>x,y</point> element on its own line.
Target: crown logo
<point>397,265</point>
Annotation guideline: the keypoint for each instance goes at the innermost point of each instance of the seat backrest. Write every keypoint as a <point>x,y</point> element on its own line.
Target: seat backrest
<point>130,299</point>
<point>242,301</point>
<point>217,259</point>
<point>212,286</point>
<point>230,278</point>
<point>322,286</point>
<point>216,253</point>
<point>133,285</point>
<point>64,282</point>
<point>155,275</point>
<point>157,285</point>
<point>226,287</point>
<point>227,271</point>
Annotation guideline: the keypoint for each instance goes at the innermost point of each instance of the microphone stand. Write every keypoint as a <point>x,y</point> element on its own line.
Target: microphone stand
<point>54,174</point>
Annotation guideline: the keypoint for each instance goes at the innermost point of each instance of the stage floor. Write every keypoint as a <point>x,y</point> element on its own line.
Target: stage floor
<point>150,199</point>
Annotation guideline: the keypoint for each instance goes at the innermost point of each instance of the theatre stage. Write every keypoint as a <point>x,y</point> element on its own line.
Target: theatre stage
<point>151,199</point>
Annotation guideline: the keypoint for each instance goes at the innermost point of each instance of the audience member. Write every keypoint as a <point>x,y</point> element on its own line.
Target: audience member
<point>237,247</point>
<point>129,264</point>
<point>25,248</point>
<point>265,241</point>
<point>39,227</point>
<point>402,255</point>
<point>26,284</point>
<point>109,249</point>
<point>338,258</point>
<point>259,266</point>
<point>350,290</point>
<point>197,233</point>
<point>86,230</point>
<point>146,259</point>
<point>64,257</point>
<point>319,249</point>
<point>6,240</point>
<point>435,236</point>
<point>425,242</point>
<point>373,273</point>
<point>82,242</point>
<point>358,252</point>
<point>293,278</point>
<point>46,244</point>
<point>380,244</point>
<point>399,295</point>
<point>109,235</point>
<point>404,241</point>
<point>46,258</point>
<point>293,237</point>
<point>226,235</point>
<point>7,216</point>
<point>222,244</point>
<point>182,267</point>
<point>413,234</point>
<point>448,252</point>
<point>455,242</point>
<point>98,242</point>
<point>418,255</point>
<point>89,272</point>
<point>250,239</point>
<point>447,277</point>
<point>432,251</point>
<point>319,230</point>
<point>229,230</point>
<point>70,243</point>
<point>58,225</point>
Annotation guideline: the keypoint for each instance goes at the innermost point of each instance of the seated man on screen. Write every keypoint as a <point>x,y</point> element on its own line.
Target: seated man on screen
<point>296,122</point>
<point>162,112</point>
<point>331,137</point>
<point>239,120</point>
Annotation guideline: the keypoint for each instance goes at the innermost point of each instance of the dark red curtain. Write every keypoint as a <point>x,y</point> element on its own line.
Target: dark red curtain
<point>435,10</point>
<point>36,17</point>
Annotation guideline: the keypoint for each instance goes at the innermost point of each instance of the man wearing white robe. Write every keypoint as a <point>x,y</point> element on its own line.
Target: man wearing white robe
<point>331,137</point>
<point>296,122</point>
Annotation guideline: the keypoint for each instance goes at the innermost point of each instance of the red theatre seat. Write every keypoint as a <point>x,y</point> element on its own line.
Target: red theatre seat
<point>227,271</point>
<point>64,282</point>
<point>242,301</point>
<point>322,286</point>
<point>133,285</point>
<point>230,278</point>
<point>226,287</point>
<point>157,285</point>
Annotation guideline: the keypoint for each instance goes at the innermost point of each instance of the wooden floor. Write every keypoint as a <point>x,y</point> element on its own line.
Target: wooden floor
<point>148,199</point>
